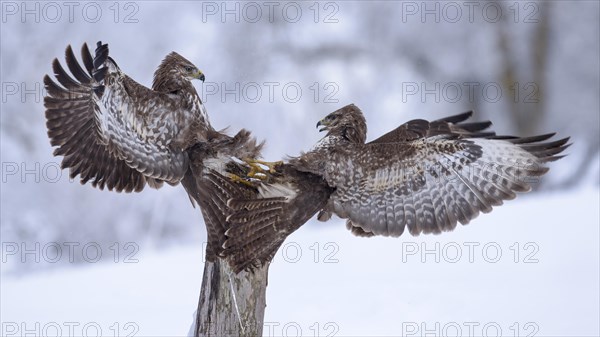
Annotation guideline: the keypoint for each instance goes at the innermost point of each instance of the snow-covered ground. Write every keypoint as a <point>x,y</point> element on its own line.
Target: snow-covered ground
<point>371,53</point>
<point>531,267</point>
<point>324,281</point>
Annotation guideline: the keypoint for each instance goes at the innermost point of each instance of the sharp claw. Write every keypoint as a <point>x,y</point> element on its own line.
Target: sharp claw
<point>271,165</point>
<point>238,179</point>
<point>256,171</point>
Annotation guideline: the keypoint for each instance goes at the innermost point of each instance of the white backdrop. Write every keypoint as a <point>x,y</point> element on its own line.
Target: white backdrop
<point>276,68</point>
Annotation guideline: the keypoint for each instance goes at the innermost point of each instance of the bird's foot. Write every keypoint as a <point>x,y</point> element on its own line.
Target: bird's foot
<point>238,179</point>
<point>257,171</point>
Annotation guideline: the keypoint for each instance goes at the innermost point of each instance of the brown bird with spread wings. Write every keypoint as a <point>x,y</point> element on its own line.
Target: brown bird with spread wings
<point>423,177</point>
<point>119,134</point>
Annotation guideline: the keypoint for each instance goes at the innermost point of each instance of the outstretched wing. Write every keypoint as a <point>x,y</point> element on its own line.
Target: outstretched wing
<point>428,176</point>
<point>138,124</point>
<point>106,125</point>
<point>72,126</point>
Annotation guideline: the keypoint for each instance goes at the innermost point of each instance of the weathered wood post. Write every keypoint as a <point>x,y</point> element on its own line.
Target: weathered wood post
<point>231,304</point>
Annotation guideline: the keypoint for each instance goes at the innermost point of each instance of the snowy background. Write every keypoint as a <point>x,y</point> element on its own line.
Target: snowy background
<point>76,260</point>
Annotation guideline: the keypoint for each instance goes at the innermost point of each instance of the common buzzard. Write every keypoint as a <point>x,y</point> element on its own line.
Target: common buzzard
<point>423,176</point>
<point>119,134</point>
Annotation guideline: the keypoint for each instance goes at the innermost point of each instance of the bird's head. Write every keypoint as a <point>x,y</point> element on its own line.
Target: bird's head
<point>184,67</point>
<point>348,122</point>
<point>172,70</point>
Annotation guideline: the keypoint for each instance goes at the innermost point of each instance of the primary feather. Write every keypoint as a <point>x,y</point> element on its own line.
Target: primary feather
<point>424,177</point>
<point>116,133</point>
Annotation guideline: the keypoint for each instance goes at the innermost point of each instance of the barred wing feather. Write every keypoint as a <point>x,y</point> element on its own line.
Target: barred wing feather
<point>429,184</point>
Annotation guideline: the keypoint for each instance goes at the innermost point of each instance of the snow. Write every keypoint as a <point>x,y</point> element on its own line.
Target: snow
<point>370,56</point>
<point>325,282</point>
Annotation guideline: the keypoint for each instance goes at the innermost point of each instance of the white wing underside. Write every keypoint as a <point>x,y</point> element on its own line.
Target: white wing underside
<point>139,133</point>
<point>435,194</point>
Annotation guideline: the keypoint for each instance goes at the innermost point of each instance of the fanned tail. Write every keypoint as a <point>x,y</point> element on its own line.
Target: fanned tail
<point>252,237</point>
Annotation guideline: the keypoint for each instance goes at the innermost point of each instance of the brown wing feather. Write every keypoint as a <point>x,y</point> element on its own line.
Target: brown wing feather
<point>426,176</point>
<point>413,177</point>
<point>430,183</point>
<point>142,126</point>
<point>114,131</point>
<point>72,127</point>
<point>420,128</point>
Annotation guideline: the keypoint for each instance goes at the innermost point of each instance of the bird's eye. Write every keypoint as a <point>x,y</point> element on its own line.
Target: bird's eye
<point>188,68</point>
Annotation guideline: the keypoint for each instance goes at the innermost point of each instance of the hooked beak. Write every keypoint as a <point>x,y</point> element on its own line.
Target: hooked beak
<point>200,76</point>
<point>323,123</point>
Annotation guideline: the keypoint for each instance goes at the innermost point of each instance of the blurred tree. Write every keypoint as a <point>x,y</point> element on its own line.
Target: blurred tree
<point>526,112</point>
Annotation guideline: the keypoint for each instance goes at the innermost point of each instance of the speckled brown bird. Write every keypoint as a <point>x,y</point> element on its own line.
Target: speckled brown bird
<point>423,177</point>
<point>116,133</point>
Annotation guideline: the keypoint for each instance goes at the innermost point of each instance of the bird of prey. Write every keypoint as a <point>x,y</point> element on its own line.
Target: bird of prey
<point>423,177</point>
<point>119,134</point>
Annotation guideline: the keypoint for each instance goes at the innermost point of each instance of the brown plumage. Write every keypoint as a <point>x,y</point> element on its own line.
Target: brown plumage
<point>423,176</point>
<point>113,132</point>
<point>258,223</point>
<point>118,134</point>
<point>206,185</point>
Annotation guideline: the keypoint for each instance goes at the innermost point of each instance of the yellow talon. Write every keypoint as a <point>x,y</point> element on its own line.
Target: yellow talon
<point>238,179</point>
<point>271,165</point>
<point>255,167</point>
<point>255,171</point>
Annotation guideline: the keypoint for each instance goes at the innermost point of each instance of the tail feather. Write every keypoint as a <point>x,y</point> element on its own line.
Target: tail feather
<point>252,204</point>
<point>237,234</point>
<point>240,235</point>
<point>254,253</point>
<point>252,237</point>
<point>250,215</point>
<point>259,226</point>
